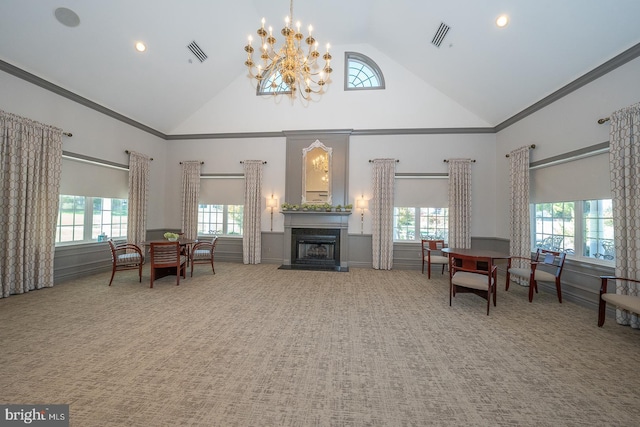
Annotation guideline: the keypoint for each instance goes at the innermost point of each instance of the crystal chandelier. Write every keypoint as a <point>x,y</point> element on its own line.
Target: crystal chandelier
<point>300,72</point>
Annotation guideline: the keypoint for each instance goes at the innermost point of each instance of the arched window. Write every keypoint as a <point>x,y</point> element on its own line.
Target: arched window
<point>272,84</point>
<point>361,72</point>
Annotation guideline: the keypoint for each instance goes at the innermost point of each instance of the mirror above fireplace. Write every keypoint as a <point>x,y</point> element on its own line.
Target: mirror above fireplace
<point>316,173</point>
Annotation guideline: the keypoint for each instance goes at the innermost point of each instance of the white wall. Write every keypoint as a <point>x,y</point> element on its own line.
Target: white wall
<point>94,134</point>
<point>407,102</point>
<point>426,154</point>
<point>566,125</point>
<point>223,156</point>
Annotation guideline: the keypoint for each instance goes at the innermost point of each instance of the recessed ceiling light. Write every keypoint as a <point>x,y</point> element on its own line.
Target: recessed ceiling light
<point>502,21</point>
<point>141,47</point>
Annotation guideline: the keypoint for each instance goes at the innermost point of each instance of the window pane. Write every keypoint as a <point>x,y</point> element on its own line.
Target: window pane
<point>272,83</point>
<point>434,223</point>
<point>70,225</point>
<point>234,220</point>
<point>75,224</point>
<point>108,221</point>
<point>220,219</point>
<point>362,72</point>
<point>210,219</point>
<point>555,226</point>
<point>404,223</point>
<point>598,229</point>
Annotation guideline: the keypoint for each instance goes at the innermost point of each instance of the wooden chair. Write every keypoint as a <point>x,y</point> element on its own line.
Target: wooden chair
<point>624,302</point>
<point>167,259</point>
<point>546,267</point>
<point>125,256</point>
<point>203,252</point>
<point>472,274</point>
<point>432,254</point>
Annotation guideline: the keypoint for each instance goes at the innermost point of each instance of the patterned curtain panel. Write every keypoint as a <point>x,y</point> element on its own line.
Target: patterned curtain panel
<point>460,203</point>
<point>252,237</point>
<point>190,197</point>
<point>384,171</point>
<point>520,225</point>
<point>30,169</point>
<point>624,154</point>
<point>139,166</point>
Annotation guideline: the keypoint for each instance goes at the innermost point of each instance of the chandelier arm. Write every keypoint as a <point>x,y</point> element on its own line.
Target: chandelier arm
<point>290,66</point>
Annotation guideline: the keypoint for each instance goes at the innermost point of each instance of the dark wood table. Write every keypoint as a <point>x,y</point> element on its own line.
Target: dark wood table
<point>484,253</point>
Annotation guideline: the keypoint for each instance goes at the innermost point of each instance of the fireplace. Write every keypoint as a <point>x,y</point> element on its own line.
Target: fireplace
<point>315,241</point>
<point>315,248</point>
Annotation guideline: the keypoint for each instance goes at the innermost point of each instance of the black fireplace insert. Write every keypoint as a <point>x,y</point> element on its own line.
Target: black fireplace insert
<point>315,248</point>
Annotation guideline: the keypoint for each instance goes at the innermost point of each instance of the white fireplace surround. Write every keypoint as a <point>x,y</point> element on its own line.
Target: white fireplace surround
<point>305,219</point>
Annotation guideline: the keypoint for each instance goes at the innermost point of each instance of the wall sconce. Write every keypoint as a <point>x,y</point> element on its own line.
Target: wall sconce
<point>272,203</point>
<point>362,205</point>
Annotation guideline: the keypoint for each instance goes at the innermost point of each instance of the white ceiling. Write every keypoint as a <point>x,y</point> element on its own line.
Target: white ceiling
<point>494,73</point>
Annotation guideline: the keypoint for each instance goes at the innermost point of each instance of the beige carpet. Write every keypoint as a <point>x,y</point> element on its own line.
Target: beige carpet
<point>258,346</point>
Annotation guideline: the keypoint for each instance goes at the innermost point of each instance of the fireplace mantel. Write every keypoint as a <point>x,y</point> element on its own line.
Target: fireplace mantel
<point>316,219</point>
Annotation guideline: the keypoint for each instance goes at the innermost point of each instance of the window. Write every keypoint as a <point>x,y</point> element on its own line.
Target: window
<point>555,226</point>
<point>272,84</point>
<point>83,219</point>
<point>583,229</point>
<point>361,72</point>
<point>220,219</point>
<point>412,223</point>
<point>598,229</point>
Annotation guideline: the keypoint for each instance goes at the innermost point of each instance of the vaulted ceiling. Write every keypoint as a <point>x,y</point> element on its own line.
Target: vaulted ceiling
<point>494,73</point>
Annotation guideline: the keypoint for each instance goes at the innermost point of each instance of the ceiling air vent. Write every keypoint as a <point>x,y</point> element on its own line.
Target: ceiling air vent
<point>438,37</point>
<point>195,49</point>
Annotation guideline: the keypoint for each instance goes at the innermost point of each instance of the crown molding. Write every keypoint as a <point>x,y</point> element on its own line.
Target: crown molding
<point>617,61</point>
<point>38,81</point>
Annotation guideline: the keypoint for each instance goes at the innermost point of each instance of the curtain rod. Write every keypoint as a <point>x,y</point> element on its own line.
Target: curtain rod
<point>397,161</point>
<point>202,163</point>
<point>471,160</point>
<point>129,152</point>
<point>69,134</point>
<point>532,146</point>
<point>264,162</point>
<point>601,121</point>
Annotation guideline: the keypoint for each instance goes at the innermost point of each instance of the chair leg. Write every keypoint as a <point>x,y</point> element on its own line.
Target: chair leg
<point>212,267</point>
<point>152,277</point>
<point>428,270</point>
<point>191,268</point>
<point>495,294</point>
<point>558,289</point>
<point>422,265</point>
<point>113,273</point>
<point>140,273</point>
<point>532,285</point>
<point>506,287</point>
<point>602,311</point>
